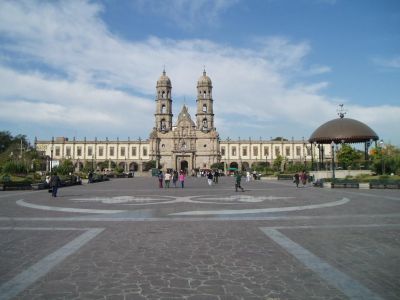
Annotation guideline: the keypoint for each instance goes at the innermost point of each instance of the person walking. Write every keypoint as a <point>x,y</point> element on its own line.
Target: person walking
<point>238,179</point>
<point>303,178</point>
<point>167,179</point>
<point>296,179</point>
<point>174,178</point>
<point>248,176</point>
<point>182,178</point>
<point>55,182</point>
<point>90,177</point>
<point>160,179</point>
<point>216,175</point>
<point>210,178</point>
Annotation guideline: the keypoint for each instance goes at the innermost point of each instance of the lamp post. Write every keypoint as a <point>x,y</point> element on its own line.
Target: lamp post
<point>312,154</point>
<point>51,156</point>
<point>382,144</point>
<point>333,160</point>
<point>367,156</point>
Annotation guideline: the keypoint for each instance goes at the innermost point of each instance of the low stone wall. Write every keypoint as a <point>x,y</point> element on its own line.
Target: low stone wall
<point>338,173</point>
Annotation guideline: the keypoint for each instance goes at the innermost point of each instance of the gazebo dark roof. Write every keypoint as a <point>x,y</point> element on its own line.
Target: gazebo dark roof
<point>343,130</point>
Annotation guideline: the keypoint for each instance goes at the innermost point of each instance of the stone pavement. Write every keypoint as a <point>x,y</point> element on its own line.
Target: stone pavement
<point>127,239</point>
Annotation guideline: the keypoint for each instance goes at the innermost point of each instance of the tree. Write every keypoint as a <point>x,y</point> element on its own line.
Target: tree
<point>65,167</point>
<point>219,166</point>
<point>279,138</point>
<point>149,165</point>
<point>387,158</point>
<point>5,140</point>
<point>347,156</point>
<point>103,165</point>
<point>278,163</point>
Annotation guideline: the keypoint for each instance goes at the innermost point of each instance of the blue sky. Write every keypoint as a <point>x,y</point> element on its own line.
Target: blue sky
<point>279,67</point>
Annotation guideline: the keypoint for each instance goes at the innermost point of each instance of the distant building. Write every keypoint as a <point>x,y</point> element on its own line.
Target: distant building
<point>187,145</point>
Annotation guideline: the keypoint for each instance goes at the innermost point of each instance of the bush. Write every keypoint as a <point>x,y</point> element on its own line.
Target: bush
<point>14,167</point>
<point>65,167</point>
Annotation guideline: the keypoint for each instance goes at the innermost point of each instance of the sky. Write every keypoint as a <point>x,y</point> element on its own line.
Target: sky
<point>278,67</point>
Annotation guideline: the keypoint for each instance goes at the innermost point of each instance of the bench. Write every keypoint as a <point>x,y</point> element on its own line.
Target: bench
<point>384,184</point>
<point>345,184</point>
<point>285,177</point>
<point>16,185</point>
<point>39,186</point>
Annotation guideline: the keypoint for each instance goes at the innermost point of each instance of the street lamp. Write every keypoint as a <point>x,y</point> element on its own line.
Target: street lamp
<point>51,156</point>
<point>312,154</point>
<point>381,143</point>
<point>333,160</point>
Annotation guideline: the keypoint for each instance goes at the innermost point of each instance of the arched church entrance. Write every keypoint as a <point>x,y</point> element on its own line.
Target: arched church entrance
<point>184,166</point>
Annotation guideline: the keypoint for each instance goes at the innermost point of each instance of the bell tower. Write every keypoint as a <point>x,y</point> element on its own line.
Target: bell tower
<point>163,115</point>
<point>205,113</point>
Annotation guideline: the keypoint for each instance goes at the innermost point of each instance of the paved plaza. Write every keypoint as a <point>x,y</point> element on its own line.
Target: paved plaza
<point>128,239</point>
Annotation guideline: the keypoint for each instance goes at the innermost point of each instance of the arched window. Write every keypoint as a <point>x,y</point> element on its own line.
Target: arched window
<point>163,94</point>
<point>204,107</point>
<point>205,123</point>
<point>204,94</point>
<point>163,109</point>
<point>163,124</point>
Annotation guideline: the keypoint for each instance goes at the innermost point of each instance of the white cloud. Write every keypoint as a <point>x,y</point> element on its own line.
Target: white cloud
<point>393,62</point>
<point>187,14</point>
<point>33,99</point>
<point>106,85</point>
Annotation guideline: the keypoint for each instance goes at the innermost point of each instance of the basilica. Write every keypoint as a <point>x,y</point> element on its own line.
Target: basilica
<point>189,144</point>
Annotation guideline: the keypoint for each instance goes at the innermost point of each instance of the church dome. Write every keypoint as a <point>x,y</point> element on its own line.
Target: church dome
<point>164,80</point>
<point>343,130</point>
<point>204,80</point>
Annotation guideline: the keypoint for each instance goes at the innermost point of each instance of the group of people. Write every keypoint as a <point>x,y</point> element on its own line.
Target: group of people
<point>212,177</point>
<point>171,175</point>
<point>301,177</point>
<point>253,175</point>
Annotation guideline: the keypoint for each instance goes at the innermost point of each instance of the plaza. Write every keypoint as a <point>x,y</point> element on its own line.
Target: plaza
<point>128,239</point>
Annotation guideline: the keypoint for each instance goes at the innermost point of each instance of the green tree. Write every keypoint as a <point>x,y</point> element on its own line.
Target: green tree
<point>348,156</point>
<point>149,165</point>
<point>66,166</point>
<point>297,167</point>
<point>5,140</point>
<point>387,158</point>
<point>279,138</point>
<point>278,163</point>
<point>219,166</point>
<point>103,165</point>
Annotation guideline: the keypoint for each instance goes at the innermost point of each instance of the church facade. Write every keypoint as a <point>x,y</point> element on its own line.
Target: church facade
<point>189,144</point>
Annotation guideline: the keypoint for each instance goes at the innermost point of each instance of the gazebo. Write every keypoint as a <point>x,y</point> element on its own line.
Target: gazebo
<point>342,130</point>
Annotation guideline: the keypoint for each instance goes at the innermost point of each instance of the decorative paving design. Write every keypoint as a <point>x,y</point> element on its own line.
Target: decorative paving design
<point>261,210</point>
<point>154,200</point>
